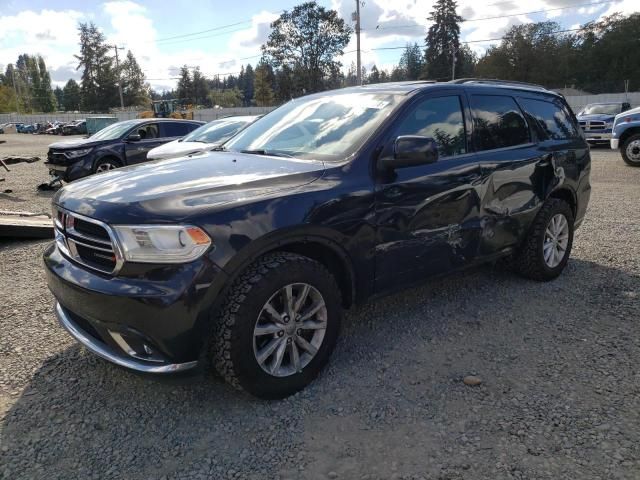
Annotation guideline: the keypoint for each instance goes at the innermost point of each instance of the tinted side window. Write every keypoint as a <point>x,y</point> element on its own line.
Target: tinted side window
<point>550,120</point>
<point>178,129</point>
<point>439,118</point>
<point>148,131</point>
<point>498,122</point>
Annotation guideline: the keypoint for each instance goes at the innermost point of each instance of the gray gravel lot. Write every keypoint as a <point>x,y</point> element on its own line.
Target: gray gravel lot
<point>559,363</point>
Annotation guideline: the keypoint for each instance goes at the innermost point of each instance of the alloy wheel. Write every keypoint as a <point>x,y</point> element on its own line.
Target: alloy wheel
<point>556,240</point>
<point>290,329</point>
<point>105,167</point>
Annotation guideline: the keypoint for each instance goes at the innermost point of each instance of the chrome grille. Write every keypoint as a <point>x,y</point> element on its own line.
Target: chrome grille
<point>86,241</point>
<point>592,125</point>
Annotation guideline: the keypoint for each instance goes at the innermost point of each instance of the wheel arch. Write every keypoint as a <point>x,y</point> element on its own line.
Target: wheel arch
<point>324,250</point>
<point>628,133</point>
<point>568,195</point>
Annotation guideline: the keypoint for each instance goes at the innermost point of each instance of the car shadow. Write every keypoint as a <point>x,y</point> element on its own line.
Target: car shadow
<point>81,416</point>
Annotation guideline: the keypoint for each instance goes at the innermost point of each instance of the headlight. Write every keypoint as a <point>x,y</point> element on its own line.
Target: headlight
<point>77,153</point>
<point>161,243</point>
<point>609,124</point>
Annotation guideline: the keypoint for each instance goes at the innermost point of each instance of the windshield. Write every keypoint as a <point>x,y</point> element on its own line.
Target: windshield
<point>329,126</point>
<point>217,131</point>
<point>605,109</point>
<point>113,131</point>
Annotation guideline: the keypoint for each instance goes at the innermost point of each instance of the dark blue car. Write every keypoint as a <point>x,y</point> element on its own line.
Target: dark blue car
<point>243,259</point>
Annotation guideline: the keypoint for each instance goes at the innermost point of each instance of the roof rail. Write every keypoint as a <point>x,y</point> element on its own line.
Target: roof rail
<point>499,82</point>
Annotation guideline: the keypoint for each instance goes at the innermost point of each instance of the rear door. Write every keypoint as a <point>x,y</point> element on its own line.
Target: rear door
<point>170,131</point>
<point>427,215</point>
<point>514,170</point>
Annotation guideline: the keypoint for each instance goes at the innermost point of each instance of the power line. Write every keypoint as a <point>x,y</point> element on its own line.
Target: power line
<point>578,5</point>
<point>221,27</point>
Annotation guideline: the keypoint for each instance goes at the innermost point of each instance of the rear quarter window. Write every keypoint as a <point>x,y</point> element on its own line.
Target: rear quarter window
<point>550,120</point>
<point>498,122</point>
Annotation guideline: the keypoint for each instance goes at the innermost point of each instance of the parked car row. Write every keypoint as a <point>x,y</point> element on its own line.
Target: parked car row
<point>242,258</point>
<point>135,141</point>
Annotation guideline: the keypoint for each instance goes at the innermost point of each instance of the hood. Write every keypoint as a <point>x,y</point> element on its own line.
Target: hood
<point>597,116</point>
<point>76,143</point>
<point>633,111</point>
<point>177,149</point>
<point>173,190</point>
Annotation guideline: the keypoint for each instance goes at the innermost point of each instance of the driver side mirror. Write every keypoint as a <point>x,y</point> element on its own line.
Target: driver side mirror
<point>410,151</point>
<point>134,137</point>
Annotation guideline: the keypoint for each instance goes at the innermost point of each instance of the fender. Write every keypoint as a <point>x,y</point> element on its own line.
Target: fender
<point>288,237</point>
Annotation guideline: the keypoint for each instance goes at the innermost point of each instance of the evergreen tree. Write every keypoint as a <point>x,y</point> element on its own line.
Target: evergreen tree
<point>443,40</point>
<point>411,62</point>
<point>58,93</point>
<point>249,80</point>
<point>374,75</point>
<point>71,96</point>
<point>263,93</point>
<point>199,87</point>
<point>99,77</point>
<point>134,88</point>
<point>46,98</point>
<point>185,86</point>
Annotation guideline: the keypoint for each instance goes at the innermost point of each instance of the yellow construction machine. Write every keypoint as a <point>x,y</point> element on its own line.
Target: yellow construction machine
<point>168,109</point>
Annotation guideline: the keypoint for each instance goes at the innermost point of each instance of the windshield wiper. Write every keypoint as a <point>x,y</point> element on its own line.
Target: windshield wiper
<point>273,153</point>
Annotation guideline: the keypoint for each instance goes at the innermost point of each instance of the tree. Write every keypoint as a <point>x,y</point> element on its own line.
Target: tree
<point>185,86</point>
<point>443,40</point>
<point>99,77</point>
<point>231,97</point>
<point>249,81</point>
<point>58,93</point>
<point>199,87</point>
<point>308,40</point>
<point>135,90</point>
<point>374,75</point>
<point>263,93</point>
<point>411,62</point>
<point>71,96</point>
<point>8,101</point>
<point>46,99</point>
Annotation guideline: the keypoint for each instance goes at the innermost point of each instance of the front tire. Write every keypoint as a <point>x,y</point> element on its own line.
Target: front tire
<point>105,165</point>
<point>547,248</point>
<point>278,326</point>
<point>631,150</point>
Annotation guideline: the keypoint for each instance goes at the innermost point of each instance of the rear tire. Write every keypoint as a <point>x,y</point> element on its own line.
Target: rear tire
<point>247,327</point>
<point>631,150</point>
<point>546,250</point>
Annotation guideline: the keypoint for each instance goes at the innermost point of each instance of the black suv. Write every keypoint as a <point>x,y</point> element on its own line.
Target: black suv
<point>119,144</point>
<point>244,259</point>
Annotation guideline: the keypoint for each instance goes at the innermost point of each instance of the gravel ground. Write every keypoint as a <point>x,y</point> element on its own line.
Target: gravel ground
<point>559,398</point>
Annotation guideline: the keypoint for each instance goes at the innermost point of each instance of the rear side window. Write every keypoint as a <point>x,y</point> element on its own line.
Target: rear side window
<point>498,122</point>
<point>550,120</point>
<point>178,129</point>
<point>441,119</point>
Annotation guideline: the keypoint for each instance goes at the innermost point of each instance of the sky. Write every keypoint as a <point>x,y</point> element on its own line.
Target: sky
<point>163,35</point>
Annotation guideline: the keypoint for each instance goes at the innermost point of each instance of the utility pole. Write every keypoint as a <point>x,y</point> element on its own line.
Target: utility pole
<point>15,91</point>
<point>116,48</point>
<point>358,61</point>
<point>453,64</point>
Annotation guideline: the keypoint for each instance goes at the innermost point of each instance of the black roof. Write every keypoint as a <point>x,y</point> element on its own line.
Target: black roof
<point>404,88</point>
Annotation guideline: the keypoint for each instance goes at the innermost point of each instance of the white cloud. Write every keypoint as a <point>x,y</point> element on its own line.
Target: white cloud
<point>50,33</point>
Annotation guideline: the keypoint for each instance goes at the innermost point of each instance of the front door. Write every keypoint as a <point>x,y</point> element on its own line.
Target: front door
<point>427,215</point>
<point>136,151</point>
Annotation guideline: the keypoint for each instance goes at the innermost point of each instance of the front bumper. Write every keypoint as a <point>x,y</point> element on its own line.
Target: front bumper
<point>152,319</point>
<point>598,137</point>
<point>112,355</point>
<point>615,143</point>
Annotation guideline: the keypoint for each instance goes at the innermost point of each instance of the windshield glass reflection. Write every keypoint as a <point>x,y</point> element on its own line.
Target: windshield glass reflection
<point>324,127</point>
